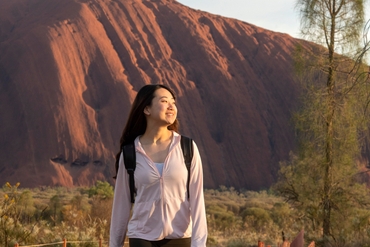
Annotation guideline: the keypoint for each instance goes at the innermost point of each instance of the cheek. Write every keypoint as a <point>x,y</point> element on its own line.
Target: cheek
<point>163,108</point>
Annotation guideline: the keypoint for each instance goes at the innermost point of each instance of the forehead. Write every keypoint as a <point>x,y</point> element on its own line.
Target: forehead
<point>162,92</point>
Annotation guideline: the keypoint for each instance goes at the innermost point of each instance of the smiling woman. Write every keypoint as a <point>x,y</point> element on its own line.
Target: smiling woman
<point>161,215</point>
<point>162,112</point>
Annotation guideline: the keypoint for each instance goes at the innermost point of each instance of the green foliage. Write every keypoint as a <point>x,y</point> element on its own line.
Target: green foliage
<point>11,214</point>
<point>55,208</point>
<point>103,190</point>
<point>321,179</point>
<point>235,218</point>
<point>47,215</point>
<point>258,218</point>
<point>301,184</point>
<point>102,197</point>
<point>241,218</point>
<point>320,18</point>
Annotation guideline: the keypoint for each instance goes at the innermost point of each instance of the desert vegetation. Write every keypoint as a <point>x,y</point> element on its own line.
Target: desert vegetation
<point>48,215</point>
<point>235,218</point>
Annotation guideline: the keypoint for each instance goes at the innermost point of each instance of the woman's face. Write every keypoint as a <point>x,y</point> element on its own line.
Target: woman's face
<point>163,108</point>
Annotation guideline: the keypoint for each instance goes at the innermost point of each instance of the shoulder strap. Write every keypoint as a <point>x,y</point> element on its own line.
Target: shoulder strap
<point>129,156</point>
<point>187,150</point>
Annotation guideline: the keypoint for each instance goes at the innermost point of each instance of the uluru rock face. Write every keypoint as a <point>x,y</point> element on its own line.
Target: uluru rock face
<point>69,70</point>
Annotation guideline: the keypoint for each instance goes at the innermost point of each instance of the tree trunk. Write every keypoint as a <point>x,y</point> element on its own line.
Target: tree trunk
<point>327,205</point>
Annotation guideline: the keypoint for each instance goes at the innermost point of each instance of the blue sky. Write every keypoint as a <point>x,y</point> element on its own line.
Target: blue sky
<point>275,15</point>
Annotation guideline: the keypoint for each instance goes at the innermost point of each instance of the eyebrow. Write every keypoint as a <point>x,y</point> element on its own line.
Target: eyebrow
<point>165,97</point>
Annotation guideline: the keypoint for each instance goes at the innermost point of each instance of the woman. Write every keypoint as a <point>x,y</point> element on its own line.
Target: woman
<point>162,214</point>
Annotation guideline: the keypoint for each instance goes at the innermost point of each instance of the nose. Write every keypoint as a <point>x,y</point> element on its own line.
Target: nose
<point>171,106</point>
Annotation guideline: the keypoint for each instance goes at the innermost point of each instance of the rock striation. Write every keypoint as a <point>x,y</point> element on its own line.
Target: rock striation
<point>69,70</point>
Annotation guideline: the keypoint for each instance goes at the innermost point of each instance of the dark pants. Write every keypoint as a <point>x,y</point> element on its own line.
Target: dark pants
<point>181,242</point>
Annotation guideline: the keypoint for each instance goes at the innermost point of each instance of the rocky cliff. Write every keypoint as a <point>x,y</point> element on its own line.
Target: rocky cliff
<point>69,70</point>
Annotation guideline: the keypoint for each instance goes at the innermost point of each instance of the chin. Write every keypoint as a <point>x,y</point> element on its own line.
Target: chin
<point>169,122</point>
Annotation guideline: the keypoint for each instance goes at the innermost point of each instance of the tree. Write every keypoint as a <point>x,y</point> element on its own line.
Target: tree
<point>9,220</point>
<point>333,119</point>
<point>12,229</point>
<point>55,208</point>
<point>103,190</point>
<point>101,205</point>
<point>26,206</point>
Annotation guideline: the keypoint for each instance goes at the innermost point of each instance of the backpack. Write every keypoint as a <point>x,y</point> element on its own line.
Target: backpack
<point>129,155</point>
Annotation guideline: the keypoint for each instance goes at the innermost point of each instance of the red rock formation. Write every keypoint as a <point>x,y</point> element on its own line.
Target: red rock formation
<point>69,70</point>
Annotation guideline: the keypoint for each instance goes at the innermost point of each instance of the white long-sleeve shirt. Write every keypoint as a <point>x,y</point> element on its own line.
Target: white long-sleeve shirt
<point>161,209</point>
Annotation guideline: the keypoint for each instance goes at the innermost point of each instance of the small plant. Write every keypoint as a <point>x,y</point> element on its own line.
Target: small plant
<point>10,225</point>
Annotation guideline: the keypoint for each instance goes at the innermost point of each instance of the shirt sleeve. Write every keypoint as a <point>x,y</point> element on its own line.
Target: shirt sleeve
<point>197,206</point>
<point>121,207</point>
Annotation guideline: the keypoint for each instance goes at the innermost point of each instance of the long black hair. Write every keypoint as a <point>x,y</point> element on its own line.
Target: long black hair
<point>136,122</point>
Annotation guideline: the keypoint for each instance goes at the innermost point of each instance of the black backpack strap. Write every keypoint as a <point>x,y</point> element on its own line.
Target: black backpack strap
<point>187,150</point>
<point>129,156</point>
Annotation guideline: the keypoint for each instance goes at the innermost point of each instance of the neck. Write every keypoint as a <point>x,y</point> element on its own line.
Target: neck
<point>159,135</point>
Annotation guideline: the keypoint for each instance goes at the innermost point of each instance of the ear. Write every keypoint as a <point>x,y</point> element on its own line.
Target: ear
<point>146,111</point>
